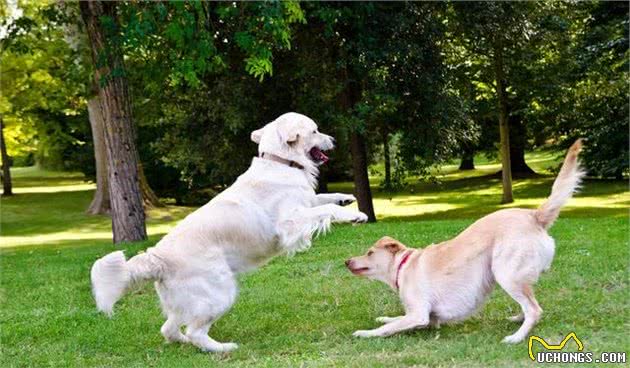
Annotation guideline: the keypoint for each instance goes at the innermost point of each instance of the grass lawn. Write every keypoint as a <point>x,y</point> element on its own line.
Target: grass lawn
<point>301,311</point>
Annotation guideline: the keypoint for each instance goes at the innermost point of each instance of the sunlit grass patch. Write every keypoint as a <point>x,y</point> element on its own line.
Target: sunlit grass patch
<point>49,207</point>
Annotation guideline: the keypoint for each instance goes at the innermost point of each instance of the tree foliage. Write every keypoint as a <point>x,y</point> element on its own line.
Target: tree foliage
<point>42,89</point>
<point>204,74</point>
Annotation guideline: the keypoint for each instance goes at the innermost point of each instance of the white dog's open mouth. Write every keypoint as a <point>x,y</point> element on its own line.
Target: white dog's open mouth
<point>318,156</point>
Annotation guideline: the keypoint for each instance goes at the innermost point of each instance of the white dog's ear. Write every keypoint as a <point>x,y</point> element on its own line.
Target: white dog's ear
<point>256,135</point>
<point>291,136</point>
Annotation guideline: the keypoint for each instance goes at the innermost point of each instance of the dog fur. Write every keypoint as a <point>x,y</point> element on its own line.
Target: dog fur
<point>271,209</point>
<point>449,281</point>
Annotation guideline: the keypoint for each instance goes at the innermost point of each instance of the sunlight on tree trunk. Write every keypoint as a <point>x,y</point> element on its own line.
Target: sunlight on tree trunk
<point>7,185</point>
<point>506,172</point>
<point>149,199</point>
<point>100,202</point>
<point>128,218</point>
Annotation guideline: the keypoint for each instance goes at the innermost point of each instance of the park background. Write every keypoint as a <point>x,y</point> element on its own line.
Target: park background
<point>443,112</point>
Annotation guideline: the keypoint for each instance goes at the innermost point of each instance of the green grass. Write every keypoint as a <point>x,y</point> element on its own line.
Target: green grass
<point>301,311</point>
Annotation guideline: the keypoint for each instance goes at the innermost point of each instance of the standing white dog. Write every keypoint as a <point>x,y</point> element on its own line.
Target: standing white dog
<point>447,282</point>
<point>271,209</point>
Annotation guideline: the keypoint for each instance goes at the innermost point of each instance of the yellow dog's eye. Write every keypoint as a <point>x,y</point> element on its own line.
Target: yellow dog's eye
<point>370,253</point>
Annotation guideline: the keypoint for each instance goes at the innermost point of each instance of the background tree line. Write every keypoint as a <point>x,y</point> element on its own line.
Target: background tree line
<point>164,95</point>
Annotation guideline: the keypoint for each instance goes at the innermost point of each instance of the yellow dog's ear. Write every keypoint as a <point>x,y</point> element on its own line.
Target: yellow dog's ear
<point>256,135</point>
<point>390,244</point>
<point>394,247</point>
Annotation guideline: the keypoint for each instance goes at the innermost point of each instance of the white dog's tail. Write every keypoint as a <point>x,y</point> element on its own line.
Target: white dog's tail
<point>566,184</point>
<point>112,274</point>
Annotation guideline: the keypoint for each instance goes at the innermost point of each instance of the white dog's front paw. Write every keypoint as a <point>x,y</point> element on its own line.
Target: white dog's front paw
<point>360,217</point>
<point>364,333</point>
<point>345,199</point>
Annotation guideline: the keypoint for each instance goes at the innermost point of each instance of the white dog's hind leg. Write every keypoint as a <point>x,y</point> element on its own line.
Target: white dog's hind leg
<point>197,333</point>
<point>171,330</point>
<point>196,300</point>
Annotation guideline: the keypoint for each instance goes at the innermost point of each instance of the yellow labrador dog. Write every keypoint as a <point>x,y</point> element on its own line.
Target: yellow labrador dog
<point>271,209</point>
<point>447,282</point>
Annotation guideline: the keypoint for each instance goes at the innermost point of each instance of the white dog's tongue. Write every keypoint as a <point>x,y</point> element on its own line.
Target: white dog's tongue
<point>318,155</point>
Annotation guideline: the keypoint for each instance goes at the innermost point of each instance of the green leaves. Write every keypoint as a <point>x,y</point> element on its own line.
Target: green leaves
<point>187,42</point>
<point>259,66</point>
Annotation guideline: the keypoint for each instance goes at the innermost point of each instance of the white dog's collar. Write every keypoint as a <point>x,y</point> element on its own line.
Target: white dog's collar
<point>272,157</point>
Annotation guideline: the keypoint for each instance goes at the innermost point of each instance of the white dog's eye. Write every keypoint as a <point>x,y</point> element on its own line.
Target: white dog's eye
<point>314,131</point>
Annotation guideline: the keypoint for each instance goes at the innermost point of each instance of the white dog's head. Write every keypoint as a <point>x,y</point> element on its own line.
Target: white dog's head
<point>294,137</point>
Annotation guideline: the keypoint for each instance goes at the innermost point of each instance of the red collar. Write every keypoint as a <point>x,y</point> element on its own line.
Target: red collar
<point>404,260</point>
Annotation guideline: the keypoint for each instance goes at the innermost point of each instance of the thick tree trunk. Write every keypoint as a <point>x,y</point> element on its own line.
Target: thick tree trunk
<point>506,172</point>
<point>387,159</point>
<point>128,218</point>
<point>149,198</point>
<point>100,202</point>
<point>7,184</point>
<point>361,178</point>
<point>518,141</point>
<point>468,160</point>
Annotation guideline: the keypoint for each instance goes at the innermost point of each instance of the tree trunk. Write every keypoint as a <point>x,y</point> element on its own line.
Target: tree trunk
<point>7,184</point>
<point>361,178</point>
<point>128,218</point>
<point>506,172</point>
<point>518,141</point>
<point>388,163</point>
<point>348,97</point>
<point>468,159</point>
<point>149,198</point>
<point>100,202</point>
<point>322,183</point>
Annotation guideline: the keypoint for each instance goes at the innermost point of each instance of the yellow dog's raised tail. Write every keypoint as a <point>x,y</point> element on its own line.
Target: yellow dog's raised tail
<point>567,182</point>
